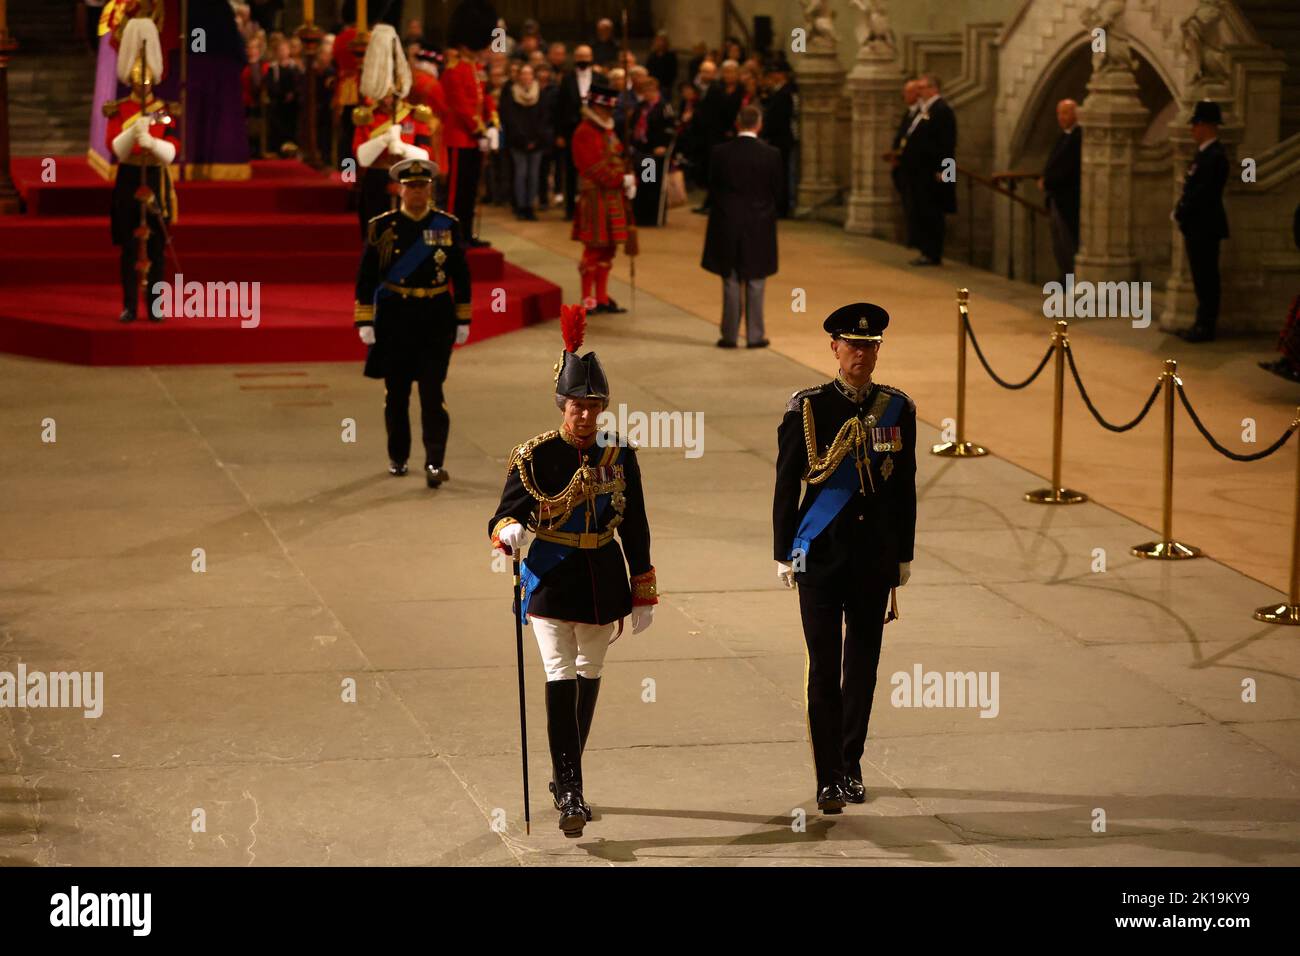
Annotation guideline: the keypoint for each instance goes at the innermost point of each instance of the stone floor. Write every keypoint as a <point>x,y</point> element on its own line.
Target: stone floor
<point>224,689</point>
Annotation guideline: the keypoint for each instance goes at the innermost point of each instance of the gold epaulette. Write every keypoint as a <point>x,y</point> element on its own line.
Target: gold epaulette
<point>443,212</point>
<point>362,116</point>
<point>174,107</point>
<point>524,452</point>
<point>422,113</point>
<point>111,106</point>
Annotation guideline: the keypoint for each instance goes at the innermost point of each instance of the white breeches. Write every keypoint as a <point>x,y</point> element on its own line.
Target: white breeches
<point>569,649</point>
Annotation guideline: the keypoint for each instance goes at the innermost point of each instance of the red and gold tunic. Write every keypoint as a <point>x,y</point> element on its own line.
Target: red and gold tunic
<point>347,71</point>
<point>426,90</point>
<point>375,119</point>
<point>600,219</point>
<point>141,167</point>
<point>469,111</point>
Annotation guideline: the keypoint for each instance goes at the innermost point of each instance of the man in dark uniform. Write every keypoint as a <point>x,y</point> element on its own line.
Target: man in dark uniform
<point>408,315</point>
<point>848,544</point>
<point>574,487</point>
<point>931,140</point>
<point>1202,219</point>
<point>142,135</point>
<point>1060,183</point>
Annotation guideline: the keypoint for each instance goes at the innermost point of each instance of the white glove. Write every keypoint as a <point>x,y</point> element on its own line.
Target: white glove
<point>462,333</point>
<point>367,333</point>
<point>785,574</point>
<point>512,536</point>
<point>629,185</point>
<point>494,138</point>
<point>904,572</point>
<point>643,615</point>
<point>484,144</point>
<point>411,151</point>
<point>140,128</point>
<point>396,145</point>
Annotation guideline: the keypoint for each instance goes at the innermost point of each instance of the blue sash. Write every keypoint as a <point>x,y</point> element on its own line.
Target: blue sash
<point>544,556</point>
<point>839,487</point>
<point>411,260</point>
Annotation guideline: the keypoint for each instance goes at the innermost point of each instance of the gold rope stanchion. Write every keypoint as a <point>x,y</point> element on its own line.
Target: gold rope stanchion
<point>1057,495</point>
<point>959,447</point>
<point>1167,549</point>
<point>1289,613</point>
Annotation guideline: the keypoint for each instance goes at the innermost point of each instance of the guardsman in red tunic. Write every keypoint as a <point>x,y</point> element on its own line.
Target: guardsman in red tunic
<point>347,79</point>
<point>385,126</point>
<point>470,124</point>
<point>426,91</point>
<point>142,135</point>
<point>601,218</point>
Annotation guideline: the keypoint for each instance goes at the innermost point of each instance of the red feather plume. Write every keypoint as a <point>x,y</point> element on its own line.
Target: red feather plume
<point>573,326</point>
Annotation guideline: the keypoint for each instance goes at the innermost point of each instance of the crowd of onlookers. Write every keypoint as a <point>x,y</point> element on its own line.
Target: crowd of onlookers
<point>674,108</point>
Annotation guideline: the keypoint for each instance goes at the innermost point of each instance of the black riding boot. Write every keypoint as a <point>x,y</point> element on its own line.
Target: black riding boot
<point>588,691</point>
<point>566,754</point>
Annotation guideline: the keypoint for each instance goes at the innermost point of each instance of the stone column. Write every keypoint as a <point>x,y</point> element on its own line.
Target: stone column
<point>874,85</point>
<point>1113,119</point>
<point>821,82</point>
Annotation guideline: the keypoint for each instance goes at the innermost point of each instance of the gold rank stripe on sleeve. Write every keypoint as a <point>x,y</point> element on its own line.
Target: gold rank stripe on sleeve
<point>363,313</point>
<point>464,311</point>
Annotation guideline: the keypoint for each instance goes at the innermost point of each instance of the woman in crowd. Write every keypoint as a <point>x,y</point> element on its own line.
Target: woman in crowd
<point>527,130</point>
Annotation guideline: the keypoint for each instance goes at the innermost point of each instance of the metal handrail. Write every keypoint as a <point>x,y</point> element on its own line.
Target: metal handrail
<point>992,184</point>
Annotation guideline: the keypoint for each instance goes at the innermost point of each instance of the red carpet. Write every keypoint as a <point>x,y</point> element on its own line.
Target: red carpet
<point>287,229</point>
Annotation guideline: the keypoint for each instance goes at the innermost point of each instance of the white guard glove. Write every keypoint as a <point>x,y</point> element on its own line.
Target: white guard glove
<point>367,333</point>
<point>785,574</point>
<point>512,536</point>
<point>396,145</point>
<point>643,615</point>
<point>483,144</point>
<point>462,333</point>
<point>904,572</point>
<point>629,185</point>
<point>493,138</point>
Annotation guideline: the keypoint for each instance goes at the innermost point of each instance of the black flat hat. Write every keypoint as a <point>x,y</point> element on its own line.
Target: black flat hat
<point>1207,111</point>
<point>859,322</point>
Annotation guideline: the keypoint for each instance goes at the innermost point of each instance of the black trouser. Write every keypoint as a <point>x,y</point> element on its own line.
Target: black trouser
<point>131,278</point>
<point>462,185</point>
<point>1203,257</point>
<point>645,207</point>
<point>435,423</point>
<point>927,219</point>
<point>839,698</point>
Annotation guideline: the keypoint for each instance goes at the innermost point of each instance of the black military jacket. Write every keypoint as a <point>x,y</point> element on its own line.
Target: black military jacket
<point>876,529</point>
<point>589,586</point>
<point>413,333</point>
<point>1200,211</point>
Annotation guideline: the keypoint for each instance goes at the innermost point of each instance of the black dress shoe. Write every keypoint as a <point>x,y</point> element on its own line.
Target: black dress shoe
<point>586,808</point>
<point>397,468</point>
<point>1281,367</point>
<point>760,344</point>
<point>924,261</point>
<point>853,790</point>
<point>726,344</point>
<point>830,799</point>
<point>701,210</point>
<point>434,476</point>
<point>573,812</point>
<point>126,316</point>
<point>611,307</point>
<point>1197,333</point>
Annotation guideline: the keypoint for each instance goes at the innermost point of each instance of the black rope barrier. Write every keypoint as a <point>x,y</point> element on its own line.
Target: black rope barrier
<point>1205,433</point>
<point>979,353</point>
<point>1087,400</point>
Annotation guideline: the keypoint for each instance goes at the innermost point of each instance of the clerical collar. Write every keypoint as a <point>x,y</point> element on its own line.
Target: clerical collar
<point>855,395</point>
<point>572,439</point>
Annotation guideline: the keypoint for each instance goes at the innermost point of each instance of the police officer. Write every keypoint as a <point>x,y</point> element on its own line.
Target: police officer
<point>1202,219</point>
<point>849,543</point>
<point>412,306</point>
<point>575,487</point>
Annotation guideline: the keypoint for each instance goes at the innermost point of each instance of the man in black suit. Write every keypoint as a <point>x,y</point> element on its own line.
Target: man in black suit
<point>651,133</point>
<point>1060,181</point>
<point>740,241</point>
<point>717,116</point>
<point>912,103</point>
<point>931,140</point>
<point>568,114</point>
<point>778,125</point>
<point>1202,219</point>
